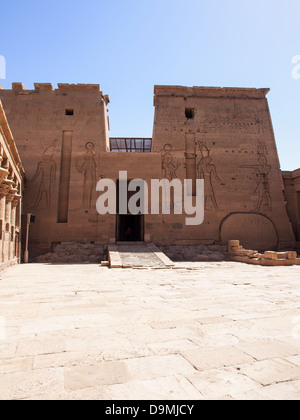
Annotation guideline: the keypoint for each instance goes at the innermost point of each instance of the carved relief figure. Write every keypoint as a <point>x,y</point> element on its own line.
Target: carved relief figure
<point>207,171</point>
<point>263,185</point>
<point>169,163</point>
<point>46,176</point>
<point>88,167</point>
<point>170,166</point>
<point>262,171</point>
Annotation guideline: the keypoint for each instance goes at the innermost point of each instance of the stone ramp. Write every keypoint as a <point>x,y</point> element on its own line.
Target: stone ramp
<point>138,256</point>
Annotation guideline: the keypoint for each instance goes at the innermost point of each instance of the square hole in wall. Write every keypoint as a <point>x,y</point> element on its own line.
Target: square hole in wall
<point>190,113</point>
<point>69,111</point>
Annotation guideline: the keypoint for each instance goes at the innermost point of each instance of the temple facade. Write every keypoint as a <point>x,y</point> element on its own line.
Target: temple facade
<point>222,136</point>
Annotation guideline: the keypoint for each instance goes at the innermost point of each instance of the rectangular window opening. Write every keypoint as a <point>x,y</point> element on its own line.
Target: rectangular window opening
<point>190,113</point>
<point>69,112</point>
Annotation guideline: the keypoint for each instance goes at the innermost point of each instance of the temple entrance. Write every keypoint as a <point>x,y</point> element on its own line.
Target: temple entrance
<point>130,228</point>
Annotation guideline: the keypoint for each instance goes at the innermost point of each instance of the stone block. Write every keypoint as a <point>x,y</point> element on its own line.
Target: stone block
<point>269,255</point>
<point>292,255</point>
<point>282,255</point>
<point>234,244</point>
<point>147,237</point>
<point>272,263</point>
<point>18,86</point>
<point>105,263</point>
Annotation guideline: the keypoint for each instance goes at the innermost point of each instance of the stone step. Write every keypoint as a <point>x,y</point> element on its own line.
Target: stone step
<point>137,255</point>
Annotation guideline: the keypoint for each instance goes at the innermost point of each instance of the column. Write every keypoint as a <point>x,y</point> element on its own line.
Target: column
<point>16,223</point>
<point>2,222</point>
<point>8,212</point>
<point>4,190</point>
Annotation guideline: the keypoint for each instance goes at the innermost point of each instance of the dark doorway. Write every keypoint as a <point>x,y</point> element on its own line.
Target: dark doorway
<point>130,228</point>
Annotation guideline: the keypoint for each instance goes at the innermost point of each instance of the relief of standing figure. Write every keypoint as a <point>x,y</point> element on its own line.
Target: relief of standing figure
<point>169,167</point>
<point>89,170</point>
<point>207,171</point>
<point>46,174</point>
<point>169,163</point>
<point>263,184</point>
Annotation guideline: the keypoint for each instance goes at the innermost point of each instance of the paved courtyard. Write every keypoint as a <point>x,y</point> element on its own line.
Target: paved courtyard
<point>210,331</point>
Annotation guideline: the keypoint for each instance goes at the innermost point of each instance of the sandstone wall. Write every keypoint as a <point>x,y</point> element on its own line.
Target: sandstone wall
<point>60,134</point>
<point>225,137</point>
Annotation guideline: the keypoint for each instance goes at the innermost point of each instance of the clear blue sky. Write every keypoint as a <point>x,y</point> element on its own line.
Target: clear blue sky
<point>128,46</point>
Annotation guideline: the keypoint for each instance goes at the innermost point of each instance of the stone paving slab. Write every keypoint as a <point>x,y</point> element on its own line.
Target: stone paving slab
<point>208,331</point>
<point>167,388</point>
<point>228,379</point>
<point>81,377</point>
<point>268,372</point>
<point>208,358</point>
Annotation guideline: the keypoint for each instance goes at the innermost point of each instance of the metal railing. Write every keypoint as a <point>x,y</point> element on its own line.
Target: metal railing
<point>130,145</point>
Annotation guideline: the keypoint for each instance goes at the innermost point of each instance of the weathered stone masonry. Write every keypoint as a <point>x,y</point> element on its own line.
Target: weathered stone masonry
<point>223,136</point>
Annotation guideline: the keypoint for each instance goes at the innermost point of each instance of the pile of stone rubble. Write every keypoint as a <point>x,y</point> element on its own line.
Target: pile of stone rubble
<point>270,258</point>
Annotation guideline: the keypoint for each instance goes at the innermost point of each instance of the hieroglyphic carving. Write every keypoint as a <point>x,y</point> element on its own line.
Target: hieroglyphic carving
<point>262,149</point>
<point>169,166</point>
<point>262,171</point>
<point>88,167</point>
<point>46,175</point>
<point>169,163</point>
<point>208,172</point>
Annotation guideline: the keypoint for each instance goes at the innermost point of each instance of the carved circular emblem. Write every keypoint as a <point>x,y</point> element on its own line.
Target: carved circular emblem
<point>90,146</point>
